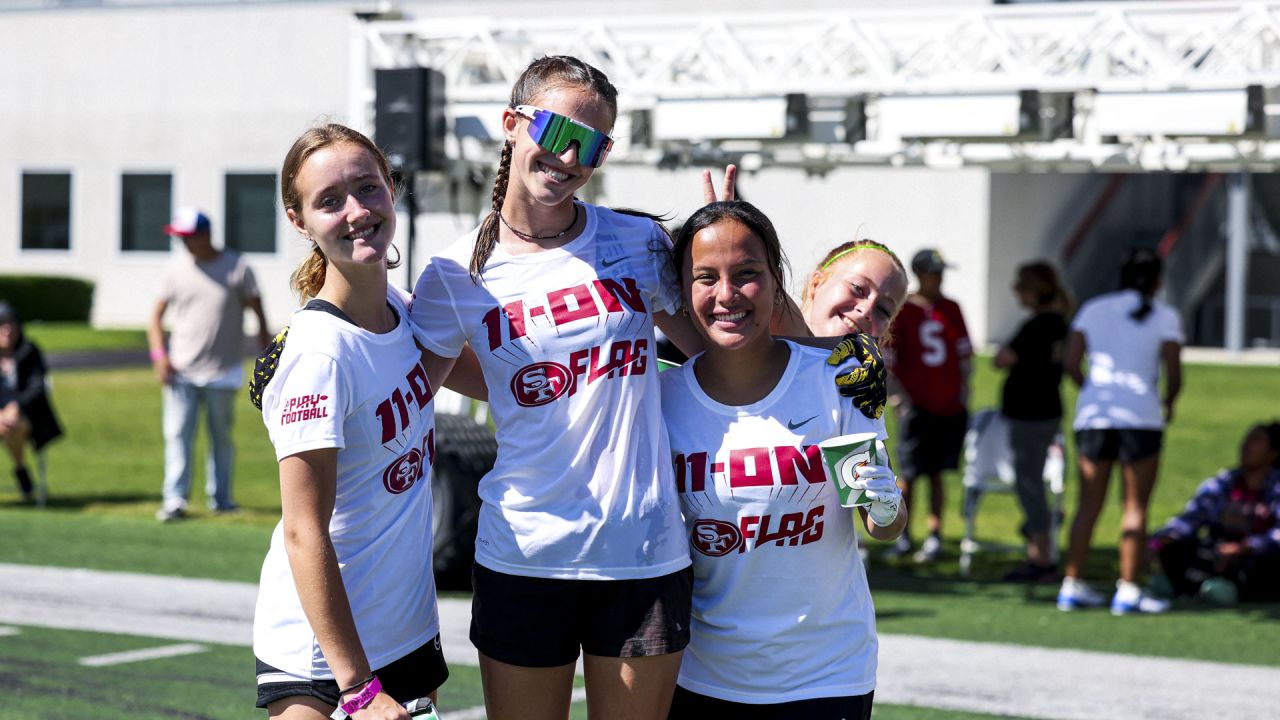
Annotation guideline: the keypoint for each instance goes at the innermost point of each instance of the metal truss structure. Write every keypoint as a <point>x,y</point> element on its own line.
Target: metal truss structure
<point>1078,51</point>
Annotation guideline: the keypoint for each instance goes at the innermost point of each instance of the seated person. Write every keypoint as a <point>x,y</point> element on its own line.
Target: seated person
<point>1226,544</point>
<point>25,412</point>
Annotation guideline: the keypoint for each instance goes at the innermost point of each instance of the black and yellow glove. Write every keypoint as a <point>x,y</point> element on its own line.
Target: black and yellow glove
<point>867,383</point>
<point>264,368</point>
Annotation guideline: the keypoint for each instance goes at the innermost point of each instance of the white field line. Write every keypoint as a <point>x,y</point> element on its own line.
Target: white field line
<point>154,653</point>
<point>995,678</point>
<point>477,713</point>
<point>8,631</point>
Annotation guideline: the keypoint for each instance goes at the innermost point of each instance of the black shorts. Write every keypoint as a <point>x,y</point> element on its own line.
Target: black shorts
<point>689,705</point>
<point>413,676</point>
<point>929,443</point>
<point>541,622</point>
<point>1127,444</point>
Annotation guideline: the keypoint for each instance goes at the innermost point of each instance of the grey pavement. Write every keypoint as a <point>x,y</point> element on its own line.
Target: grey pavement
<point>1001,679</point>
<point>97,359</point>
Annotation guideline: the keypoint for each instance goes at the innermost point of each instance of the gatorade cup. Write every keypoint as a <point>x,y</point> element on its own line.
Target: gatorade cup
<point>841,457</point>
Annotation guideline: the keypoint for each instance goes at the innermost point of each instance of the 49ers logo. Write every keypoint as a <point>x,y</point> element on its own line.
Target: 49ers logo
<point>540,383</point>
<point>715,538</point>
<point>407,469</point>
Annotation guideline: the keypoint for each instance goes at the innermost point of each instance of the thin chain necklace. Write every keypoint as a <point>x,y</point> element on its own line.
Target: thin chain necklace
<point>527,236</point>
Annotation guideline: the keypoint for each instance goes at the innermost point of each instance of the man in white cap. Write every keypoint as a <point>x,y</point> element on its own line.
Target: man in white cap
<point>204,292</point>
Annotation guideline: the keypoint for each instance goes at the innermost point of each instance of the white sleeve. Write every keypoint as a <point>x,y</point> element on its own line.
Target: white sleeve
<point>666,295</point>
<point>305,405</point>
<point>433,313</point>
<point>1171,326</point>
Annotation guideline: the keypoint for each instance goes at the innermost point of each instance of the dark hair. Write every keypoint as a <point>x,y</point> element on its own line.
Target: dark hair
<point>308,278</point>
<point>1141,271</point>
<point>740,211</point>
<point>1040,278</point>
<point>9,315</point>
<point>1272,429</point>
<point>541,75</point>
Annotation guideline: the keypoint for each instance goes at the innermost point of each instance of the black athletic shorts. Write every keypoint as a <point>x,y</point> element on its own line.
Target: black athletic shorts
<point>1127,444</point>
<point>689,705</point>
<point>541,622</point>
<point>929,443</point>
<point>413,676</point>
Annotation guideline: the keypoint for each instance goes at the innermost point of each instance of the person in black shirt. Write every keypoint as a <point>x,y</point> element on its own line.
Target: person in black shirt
<point>1032,405</point>
<point>26,417</point>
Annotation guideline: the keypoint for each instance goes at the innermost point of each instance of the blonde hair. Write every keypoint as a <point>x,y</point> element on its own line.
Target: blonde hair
<point>842,253</point>
<point>309,277</point>
<point>1041,279</point>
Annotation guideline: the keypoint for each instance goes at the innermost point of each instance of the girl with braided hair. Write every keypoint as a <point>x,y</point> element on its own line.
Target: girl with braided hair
<point>580,545</point>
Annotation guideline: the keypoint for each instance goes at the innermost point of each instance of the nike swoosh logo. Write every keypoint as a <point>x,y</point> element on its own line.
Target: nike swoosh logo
<point>795,425</point>
<point>610,263</point>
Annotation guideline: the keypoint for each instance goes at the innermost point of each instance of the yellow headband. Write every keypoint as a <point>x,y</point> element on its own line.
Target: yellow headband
<point>855,248</point>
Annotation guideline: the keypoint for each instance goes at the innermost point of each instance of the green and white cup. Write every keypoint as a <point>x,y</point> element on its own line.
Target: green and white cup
<point>665,365</point>
<point>841,457</point>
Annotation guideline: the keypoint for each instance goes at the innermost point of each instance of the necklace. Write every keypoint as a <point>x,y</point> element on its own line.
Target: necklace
<point>527,236</point>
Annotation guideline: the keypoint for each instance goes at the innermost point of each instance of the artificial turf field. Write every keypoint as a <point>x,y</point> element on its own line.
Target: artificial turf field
<point>104,483</point>
<point>46,680</point>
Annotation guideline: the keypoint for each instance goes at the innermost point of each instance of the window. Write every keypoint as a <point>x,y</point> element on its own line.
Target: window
<point>145,202</point>
<point>251,212</point>
<point>46,211</point>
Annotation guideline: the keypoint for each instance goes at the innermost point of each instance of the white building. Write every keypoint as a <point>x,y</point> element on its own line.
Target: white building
<point>115,111</point>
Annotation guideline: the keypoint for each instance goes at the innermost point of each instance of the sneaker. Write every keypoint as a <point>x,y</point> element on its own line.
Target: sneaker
<point>929,550</point>
<point>1143,603</point>
<point>1220,592</point>
<point>1032,573</point>
<point>900,548</point>
<point>166,515</point>
<point>1076,595</point>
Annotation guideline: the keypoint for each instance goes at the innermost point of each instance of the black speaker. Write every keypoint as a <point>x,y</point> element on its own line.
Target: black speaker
<point>408,120</point>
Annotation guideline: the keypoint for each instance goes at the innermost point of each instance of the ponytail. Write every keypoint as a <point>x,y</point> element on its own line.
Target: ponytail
<point>1141,272</point>
<point>309,277</point>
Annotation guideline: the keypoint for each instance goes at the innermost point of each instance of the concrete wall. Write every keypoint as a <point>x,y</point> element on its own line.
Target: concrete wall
<point>1032,215</point>
<point>195,92</point>
<point>905,208</point>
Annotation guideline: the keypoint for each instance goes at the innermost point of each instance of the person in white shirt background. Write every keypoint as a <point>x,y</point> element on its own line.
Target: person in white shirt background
<point>1130,337</point>
<point>783,624</point>
<point>579,548</point>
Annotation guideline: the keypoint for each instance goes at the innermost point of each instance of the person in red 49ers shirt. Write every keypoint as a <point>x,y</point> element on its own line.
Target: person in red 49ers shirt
<point>929,356</point>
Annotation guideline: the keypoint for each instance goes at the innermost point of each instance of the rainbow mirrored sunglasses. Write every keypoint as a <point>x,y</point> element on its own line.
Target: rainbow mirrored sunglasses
<point>555,133</point>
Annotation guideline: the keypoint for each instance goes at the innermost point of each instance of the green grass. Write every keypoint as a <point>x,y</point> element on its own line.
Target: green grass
<point>43,679</point>
<point>105,482</point>
<point>59,337</point>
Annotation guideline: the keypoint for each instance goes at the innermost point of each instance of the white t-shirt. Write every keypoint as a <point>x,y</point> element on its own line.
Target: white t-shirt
<point>340,386</point>
<point>781,607</point>
<point>582,487</point>
<point>206,302</point>
<point>1122,389</point>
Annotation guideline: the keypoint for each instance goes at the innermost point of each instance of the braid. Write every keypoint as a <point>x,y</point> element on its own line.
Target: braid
<point>487,237</point>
